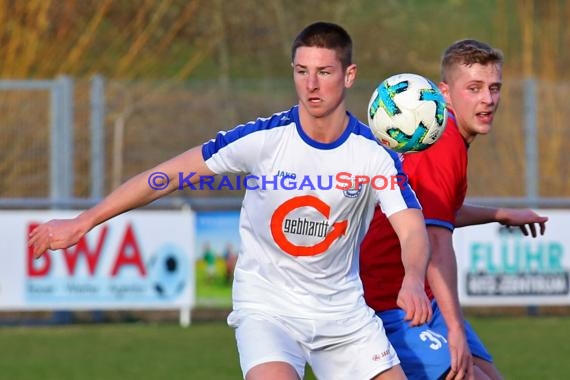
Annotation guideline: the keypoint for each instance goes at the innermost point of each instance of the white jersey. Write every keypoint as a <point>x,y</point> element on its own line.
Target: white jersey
<point>301,224</point>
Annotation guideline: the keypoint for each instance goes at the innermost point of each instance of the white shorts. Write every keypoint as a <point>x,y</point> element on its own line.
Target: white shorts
<point>352,348</point>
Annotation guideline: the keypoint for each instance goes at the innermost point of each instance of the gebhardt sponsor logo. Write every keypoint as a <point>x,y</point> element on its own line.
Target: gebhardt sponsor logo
<point>282,225</point>
<point>304,226</point>
<point>283,180</point>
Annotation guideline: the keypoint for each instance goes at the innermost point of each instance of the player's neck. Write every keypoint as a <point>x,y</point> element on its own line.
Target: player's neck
<point>324,129</point>
<point>467,137</point>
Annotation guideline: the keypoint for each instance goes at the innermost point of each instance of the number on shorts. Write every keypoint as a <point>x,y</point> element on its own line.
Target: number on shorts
<point>436,339</point>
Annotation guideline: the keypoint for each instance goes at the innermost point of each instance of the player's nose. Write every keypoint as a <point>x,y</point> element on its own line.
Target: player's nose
<point>487,95</point>
<point>312,82</point>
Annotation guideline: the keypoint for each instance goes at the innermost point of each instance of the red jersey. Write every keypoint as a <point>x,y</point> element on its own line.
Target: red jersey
<point>438,175</point>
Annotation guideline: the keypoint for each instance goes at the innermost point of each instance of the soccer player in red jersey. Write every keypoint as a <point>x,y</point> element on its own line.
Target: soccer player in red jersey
<point>446,347</point>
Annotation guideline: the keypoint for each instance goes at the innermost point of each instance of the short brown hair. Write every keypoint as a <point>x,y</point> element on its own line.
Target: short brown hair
<point>325,35</point>
<point>468,52</point>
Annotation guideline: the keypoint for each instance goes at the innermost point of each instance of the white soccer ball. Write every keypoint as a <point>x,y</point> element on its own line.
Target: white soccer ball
<point>407,113</point>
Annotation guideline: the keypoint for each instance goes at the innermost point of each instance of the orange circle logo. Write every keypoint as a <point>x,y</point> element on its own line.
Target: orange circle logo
<point>338,229</point>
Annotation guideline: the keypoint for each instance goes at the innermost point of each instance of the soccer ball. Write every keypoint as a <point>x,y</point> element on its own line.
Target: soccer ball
<point>407,113</point>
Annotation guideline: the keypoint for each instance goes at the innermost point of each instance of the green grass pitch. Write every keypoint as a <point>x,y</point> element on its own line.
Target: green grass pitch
<point>523,347</point>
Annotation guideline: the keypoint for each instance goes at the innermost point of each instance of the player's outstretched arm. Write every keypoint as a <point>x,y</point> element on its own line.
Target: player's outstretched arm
<point>136,192</point>
<point>410,228</point>
<point>529,222</point>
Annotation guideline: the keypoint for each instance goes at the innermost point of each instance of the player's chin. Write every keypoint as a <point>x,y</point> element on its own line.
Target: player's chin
<point>484,129</point>
<point>314,109</point>
<point>318,112</point>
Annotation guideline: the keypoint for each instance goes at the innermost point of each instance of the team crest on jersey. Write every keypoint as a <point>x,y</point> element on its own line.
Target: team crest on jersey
<point>354,190</point>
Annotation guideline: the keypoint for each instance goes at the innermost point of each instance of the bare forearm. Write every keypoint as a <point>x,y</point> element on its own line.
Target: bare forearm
<point>528,221</point>
<point>443,283</point>
<point>410,228</point>
<point>142,188</point>
<point>138,191</point>
<point>442,276</point>
<point>415,257</point>
<point>134,193</point>
<point>469,215</point>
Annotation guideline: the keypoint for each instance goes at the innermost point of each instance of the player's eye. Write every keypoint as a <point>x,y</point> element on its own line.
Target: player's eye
<point>495,88</point>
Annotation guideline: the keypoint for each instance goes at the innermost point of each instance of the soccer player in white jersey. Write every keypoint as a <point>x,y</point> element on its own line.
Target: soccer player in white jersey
<point>297,295</point>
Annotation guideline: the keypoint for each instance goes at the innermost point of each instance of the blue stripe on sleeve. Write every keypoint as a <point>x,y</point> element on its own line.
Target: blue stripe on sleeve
<point>440,223</point>
<point>225,138</point>
<point>407,193</point>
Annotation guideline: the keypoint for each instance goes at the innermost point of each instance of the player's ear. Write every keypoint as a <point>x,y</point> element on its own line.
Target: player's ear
<point>350,75</point>
<point>444,88</point>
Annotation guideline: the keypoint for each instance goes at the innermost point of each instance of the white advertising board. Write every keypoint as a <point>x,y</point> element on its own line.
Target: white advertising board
<point>139,260</point>
<point>502,267</point>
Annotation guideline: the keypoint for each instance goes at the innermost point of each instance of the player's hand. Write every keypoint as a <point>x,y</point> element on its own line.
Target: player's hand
<point>527,220</point>
<point>413,300</point>
<point>461,359</point>
<point>55,234</point>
